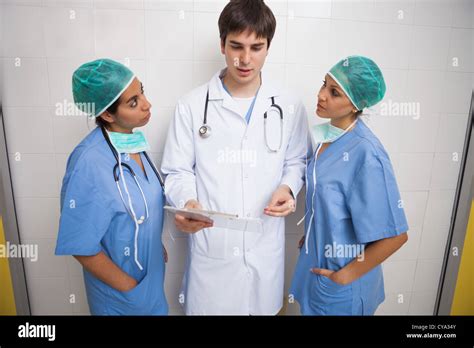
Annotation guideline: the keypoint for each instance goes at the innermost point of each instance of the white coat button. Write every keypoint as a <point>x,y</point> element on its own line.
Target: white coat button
<point>248,214</point>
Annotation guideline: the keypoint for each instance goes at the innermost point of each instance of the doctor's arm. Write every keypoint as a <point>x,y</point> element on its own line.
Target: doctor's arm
<point>373,255</point>
<point>103,268</point>
<point>283,200</point>
<point>178,166</point>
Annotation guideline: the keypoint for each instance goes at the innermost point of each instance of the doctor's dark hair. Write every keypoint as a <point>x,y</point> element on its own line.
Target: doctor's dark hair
<point>112,109</point>
<point>253,15</point>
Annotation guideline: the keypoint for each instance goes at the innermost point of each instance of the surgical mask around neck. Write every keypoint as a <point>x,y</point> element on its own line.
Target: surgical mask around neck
<point>129,142</point>
<point>327,133</point>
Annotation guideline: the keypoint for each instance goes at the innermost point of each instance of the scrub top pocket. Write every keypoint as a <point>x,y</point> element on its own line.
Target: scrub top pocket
<point>330,298</point>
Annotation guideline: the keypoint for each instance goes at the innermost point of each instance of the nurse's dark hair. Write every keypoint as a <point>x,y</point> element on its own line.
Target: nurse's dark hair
<point>112,109</point>
<point>253,15</point>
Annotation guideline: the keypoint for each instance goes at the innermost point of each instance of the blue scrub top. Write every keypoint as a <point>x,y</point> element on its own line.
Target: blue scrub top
<point>356,202</point>
<point>94,219</point>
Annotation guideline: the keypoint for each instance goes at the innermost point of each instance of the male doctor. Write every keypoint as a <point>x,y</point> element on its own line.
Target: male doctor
<point>233,161</point>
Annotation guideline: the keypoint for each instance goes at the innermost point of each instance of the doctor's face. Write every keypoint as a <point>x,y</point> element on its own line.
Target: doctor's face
<point>133,110</point>
<point>332,101</point>
<point>245,55</point>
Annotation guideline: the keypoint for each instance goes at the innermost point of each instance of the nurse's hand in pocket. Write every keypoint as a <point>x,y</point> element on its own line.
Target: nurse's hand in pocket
<point>336,277</point>
<point>189,225</point>
<point>282,202</point>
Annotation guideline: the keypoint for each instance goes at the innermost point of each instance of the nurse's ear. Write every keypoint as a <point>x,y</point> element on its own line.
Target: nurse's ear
<point>105,119</point>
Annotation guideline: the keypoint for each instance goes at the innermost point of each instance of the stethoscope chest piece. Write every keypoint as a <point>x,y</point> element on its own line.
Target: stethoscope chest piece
<point>205,131</point>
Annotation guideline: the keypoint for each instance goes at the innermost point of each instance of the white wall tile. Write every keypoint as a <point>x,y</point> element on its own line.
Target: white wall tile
<point>461,50</point>
<point>419,135</point>
<point>308,41</point>
<point>278,7</point>
<point>27,82</point>
<point>445,171</point>
<point>206,37</point>
<point>120,4</point>
<point>22,32</point>
<point>462,13</point>
<point>124,40</point>
<point>433,12</point>
<point>28,130</point>
<point>69,32</point>
<point>457,93</point>
<point>395,304</point>
<point>49,296</point>
<point>34,175</point>
<point>452,133</point>
<point>433,241</point>
<point>204,71</point>
<point>68,132</point>
<point>163,46</point>
<point>439,207</point>
<point>305,81</point>
<point>353,10</point>
<point>277,51</point>
<point>305,8</point>
<point>429,48</point>
<point>157,128</point>
<point>38,217</point>
<point>68,3</point>
<point>167,89</point>
<point>60,71</point>
<point>422,303</point>
<point>398,275</point>
<point>427,275</point>
<point>415,206</point>
<point>215,6</point>
<point>426,88</point>
<point>78,289</point>
<point>48,264</point>
<point>350,38</point>
<point>169,5</point>
<point>414,171</point>
<point>394,11</point>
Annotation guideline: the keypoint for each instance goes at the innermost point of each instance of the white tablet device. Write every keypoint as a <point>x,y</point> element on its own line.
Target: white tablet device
<point>222,220</point>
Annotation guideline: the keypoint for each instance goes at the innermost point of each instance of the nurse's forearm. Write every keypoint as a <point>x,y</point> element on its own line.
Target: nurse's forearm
<point>372,256</point>
<point>103,268</point>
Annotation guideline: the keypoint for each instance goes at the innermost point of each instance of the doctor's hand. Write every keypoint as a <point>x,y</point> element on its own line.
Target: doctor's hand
<point>189,225</point>
<point>282,202</point>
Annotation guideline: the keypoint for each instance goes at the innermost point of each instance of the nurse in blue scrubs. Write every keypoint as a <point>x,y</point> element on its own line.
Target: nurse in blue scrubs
<point>112,197</point>
<point>354,213</point>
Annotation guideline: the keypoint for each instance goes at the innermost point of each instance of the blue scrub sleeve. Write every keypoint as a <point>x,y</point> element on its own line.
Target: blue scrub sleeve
<point>374,202</point>
<point>84,216</point>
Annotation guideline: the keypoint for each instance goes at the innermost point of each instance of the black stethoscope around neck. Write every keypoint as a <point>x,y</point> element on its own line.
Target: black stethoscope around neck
<point>205,130</point>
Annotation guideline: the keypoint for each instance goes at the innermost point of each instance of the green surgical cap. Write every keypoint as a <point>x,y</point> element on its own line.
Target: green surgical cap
<point>361,80</point>
<point>98,84</point>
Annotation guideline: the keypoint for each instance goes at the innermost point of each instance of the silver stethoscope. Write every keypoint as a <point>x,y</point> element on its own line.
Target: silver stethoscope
<point>205,130</point>
<point>117,172</point>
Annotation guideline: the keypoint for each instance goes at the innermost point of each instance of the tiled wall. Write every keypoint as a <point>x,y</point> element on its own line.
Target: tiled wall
<point>173,46</point>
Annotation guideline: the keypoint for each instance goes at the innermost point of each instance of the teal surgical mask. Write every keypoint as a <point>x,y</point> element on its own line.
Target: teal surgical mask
<point>129,142</point>
<point>327,133</point>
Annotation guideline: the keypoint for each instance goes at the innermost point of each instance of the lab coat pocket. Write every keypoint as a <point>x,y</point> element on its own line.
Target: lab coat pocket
<point>211,242</point>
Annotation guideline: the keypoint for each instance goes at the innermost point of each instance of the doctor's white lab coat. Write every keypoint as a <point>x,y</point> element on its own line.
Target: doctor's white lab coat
<point>232,171</point>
